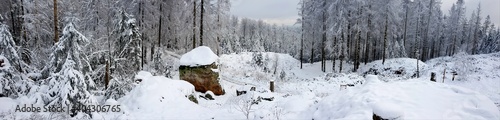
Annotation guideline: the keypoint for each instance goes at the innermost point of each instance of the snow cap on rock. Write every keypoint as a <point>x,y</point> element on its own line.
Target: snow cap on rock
<point>199,56</point>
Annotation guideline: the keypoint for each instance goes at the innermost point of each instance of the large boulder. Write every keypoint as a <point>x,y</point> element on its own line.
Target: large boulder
<point>198,67</point>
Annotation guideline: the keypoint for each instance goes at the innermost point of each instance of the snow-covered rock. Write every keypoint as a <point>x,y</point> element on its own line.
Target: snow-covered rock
<point>412,99</point>
<point>199,56</point>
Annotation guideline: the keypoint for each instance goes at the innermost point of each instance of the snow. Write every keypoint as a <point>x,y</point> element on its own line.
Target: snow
<point>199,56</point>
<point>481,73</point>
<point>7,105</point>
<point>309,93</point>
<point>412,99</point>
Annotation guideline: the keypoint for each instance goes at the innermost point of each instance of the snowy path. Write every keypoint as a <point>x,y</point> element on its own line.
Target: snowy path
<point>235,81</point>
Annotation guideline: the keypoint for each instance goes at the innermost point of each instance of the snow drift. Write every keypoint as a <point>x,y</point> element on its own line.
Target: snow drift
<point>156,96</point>
<point>412,99</point>
<point>476,72</point>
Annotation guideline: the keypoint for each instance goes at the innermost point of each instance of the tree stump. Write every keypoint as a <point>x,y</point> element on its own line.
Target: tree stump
<point>433,77</point>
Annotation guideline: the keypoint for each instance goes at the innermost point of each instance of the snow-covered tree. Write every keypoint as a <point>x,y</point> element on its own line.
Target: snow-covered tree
<point>127,55</point>
<point>68,84</point>
<point>12,67</point>
<point>8,48</point>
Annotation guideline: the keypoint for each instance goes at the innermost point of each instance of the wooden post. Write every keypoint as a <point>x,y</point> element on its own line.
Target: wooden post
<point>433,77</point>
<point>271,86</point>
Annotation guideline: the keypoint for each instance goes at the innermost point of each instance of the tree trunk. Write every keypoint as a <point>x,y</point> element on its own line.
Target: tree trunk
<point>218,27</point>
<point>194,24</point>
<point>375,50</point>
<point>358,47</point>
<point>341,58</point>
<point>56,33</point>
<point>21,23</point>
<point>302,46</point>
<point>302,36</point>
<point>201,21</point>
<point>312,49</point>
<point>323,43</point>
<point>385,40</point>
<point>416,38</point>
<point>106,76</point>
<point>406,22</point>
<point>312,53</point>
<point>334,56</point>
<point>160,25</point>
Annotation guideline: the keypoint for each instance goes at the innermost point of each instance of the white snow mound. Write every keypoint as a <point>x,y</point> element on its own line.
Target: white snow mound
<point>199,56</point>
<point>412,99</point>
<point>158,97</point>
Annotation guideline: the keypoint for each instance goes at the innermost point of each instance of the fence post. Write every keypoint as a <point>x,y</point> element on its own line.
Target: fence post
<point>271,85</point>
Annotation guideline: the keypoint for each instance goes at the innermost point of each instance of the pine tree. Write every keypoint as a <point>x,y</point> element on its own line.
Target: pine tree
<point>8,48</point>
<point>11,65</point>
<point>68,85</point>
<point>127,55</point>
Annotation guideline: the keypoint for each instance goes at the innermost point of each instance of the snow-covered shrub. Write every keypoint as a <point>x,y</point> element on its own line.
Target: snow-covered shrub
<point>244,103</point>
<point>258,59</point>
<point>463,66</point>
<point>163,64</point>
<point>69,88</point>
<point>118,88</point>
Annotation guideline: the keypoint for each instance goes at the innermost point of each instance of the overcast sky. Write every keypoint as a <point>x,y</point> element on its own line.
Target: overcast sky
<point>286,12</point>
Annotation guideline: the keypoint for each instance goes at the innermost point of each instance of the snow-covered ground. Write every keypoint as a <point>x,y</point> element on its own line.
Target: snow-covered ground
<point>480,73</point>
<point>411,99</point>
<point>309,93</point>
